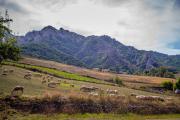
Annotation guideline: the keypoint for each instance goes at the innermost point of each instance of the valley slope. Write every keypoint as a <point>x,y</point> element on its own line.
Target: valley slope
<point>92,51</point>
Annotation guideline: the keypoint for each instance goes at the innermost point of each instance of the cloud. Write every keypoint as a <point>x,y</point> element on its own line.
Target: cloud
<point>53,5</point>
<point>76,30</point>
<point>144,24</point>
<point>11,5</point>
<point>112,3</point>
<point>151,26</point>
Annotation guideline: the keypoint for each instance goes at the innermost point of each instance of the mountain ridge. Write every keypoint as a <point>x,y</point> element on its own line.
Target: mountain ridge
<point>92,51</point>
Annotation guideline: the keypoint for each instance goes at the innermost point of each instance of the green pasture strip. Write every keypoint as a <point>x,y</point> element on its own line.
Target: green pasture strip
<point>55,72</point>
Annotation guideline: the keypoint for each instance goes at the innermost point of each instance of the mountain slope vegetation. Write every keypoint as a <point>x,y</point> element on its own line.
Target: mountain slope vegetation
<point>93,51</point>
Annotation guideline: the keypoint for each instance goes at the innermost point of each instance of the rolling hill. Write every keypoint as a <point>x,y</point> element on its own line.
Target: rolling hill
<point>92,52</point>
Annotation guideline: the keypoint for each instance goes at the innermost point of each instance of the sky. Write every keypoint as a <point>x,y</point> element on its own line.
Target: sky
<point>145,24</point>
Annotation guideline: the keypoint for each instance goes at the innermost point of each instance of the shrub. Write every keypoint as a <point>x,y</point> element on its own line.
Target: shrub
<point>177,84</point>
<point>167,85</point>
<point>118,81</point>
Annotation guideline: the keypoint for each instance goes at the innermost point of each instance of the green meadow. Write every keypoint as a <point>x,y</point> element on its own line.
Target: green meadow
<point>57,73</point>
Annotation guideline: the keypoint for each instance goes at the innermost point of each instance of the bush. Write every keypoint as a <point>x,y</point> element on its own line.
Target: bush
<point>118,81</point>
<point>167,85</point>
<point>177,84</point>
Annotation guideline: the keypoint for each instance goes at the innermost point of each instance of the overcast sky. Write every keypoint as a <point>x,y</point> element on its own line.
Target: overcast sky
<point>144,24</point>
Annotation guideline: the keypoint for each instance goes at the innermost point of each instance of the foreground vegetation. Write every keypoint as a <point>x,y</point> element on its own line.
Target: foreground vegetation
<point>54,72</point>
<point>63,99</point>
<point>58,104</point>
<point>88,116</point>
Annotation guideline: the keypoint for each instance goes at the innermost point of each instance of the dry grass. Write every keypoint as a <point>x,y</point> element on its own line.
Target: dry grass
<point>93,73</point>
<point>73,104</point>
<point>34,87</point>
<point>38,98</point>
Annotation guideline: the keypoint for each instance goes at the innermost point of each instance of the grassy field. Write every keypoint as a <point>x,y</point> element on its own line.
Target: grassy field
<point>35,89</point>
<point>93,73</point>
<point>96,117</point>
<point>34,86</point>
<point>57,73</point>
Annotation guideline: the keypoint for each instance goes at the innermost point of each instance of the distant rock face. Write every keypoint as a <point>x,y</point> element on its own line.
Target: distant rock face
<point>92,51</point>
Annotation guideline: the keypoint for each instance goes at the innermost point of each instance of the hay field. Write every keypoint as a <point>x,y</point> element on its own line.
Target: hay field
<point>93,73</point>
<point>34,87</point>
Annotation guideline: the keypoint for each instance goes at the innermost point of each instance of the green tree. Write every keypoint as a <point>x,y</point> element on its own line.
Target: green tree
<point>160,72</point>
<point>8,48</point>
<point>177,84</point>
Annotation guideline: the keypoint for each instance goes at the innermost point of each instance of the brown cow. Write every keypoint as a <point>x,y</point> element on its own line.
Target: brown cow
<point>53,84</point>
<point>28,76</point>
<point>17,89</point>
<point>88,89</point>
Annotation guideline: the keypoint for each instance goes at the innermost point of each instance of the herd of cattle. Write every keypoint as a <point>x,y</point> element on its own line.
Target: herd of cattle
<point>91,90</point>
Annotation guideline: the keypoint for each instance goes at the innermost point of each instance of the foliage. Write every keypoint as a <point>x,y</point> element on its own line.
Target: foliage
<point>8,48</point>
<point>177,84</point>
<point>160,72</point>
<point>167,85</point>
<point>118,81</point>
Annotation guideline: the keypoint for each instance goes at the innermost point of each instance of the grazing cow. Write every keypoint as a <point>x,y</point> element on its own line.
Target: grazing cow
<point>28,72</point>
<point>27,76</point>
<point>95,88</point>
<point>51,77</point>
<point>121,96</point>
<point>4,74</point>
<point>112,91</point>
<point>44,78</point>
<point>111,95</point>
<point>88,89</point>
<point>53,84</point>
<point>141,97</point>
<point>133,94</point>
<point>169,99</point>
<point>17,89</point>
<point>177,91</point>
<point>38,75</point>
<point>43,81</point>
<point>5,71</point>
<point>11,71</point>
<point>151,98</point>
<point>93,94</point>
